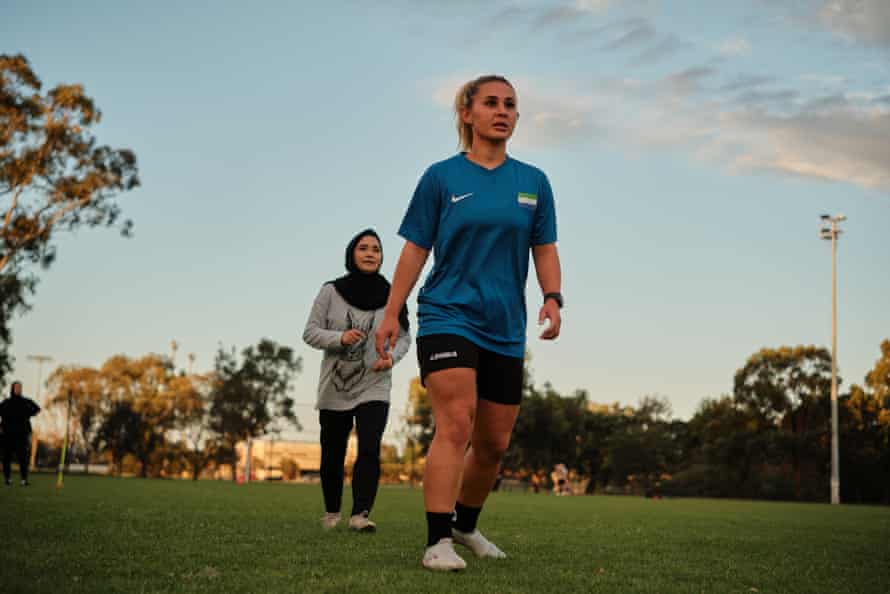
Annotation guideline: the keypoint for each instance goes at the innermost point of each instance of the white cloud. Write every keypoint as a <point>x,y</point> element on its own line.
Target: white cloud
<point>735,46</point>
<point>845,145</point>
<point>833,138</point>
<point>664,48</point>
<point>779,98</point>
<point>444,90</point>
<point>747,81</point>
<point>811,125</point>
<point>558,15</point>
<point>553,118</point>
<point>687,81</point>
<point>865,21</point>
<point>836,140</point>
<point>548,118</point>
<point>592,5</point>
<point>637,32</point>
<point>825,80</point>
<point>826,103</point>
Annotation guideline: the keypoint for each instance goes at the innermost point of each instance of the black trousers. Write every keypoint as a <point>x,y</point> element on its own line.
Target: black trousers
<point>370,421</point>
<point>20,446</point>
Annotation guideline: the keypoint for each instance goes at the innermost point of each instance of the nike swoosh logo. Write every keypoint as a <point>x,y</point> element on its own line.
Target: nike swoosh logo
<point>461,197</point>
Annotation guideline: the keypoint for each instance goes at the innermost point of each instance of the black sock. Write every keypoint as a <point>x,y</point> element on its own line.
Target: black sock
<point>438,527</point>
<point>465,517</point>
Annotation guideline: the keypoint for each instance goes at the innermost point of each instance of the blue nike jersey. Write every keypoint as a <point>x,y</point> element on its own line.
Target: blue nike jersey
<point>480,225</point>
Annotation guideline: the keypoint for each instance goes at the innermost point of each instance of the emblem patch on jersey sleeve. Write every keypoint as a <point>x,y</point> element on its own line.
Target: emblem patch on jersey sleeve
<point>527,200</point>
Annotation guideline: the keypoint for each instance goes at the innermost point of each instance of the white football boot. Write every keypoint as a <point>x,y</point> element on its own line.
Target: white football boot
<point>442,557</point>
<point>481,546</point>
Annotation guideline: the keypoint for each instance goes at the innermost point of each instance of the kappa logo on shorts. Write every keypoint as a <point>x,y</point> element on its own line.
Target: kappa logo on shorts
<point>445,355</point>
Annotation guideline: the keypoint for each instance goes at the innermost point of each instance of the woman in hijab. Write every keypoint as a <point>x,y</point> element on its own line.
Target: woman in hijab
<point>15,432</point>
<point>355,382</point>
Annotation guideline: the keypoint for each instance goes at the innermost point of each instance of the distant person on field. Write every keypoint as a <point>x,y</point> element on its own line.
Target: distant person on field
<point>15,432</point>
<point>355,382</point>
<point>560,476</point>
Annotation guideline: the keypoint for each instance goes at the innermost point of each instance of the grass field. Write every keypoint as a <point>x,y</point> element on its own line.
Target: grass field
<point>134,536</point>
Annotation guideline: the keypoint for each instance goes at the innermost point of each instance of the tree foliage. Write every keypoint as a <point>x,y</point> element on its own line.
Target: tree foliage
<point>14,291</point>
<point>54,177</point>
<point>251,393</point>
<point>197,443</point>
<point>769,439</point>
<point>129,406</point>
<point>419,418</point>
<point>865,427</point>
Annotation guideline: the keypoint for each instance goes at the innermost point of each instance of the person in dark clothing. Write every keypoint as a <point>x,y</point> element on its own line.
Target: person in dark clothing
<point>15,432</point>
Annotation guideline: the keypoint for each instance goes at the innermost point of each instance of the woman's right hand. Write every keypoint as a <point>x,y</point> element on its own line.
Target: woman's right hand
<point>350,337</point>
<point>387,335</point>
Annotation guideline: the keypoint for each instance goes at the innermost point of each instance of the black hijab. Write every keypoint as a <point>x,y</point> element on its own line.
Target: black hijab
<point>365,291</point>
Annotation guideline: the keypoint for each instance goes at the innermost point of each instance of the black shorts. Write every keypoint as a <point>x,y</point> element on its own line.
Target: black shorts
<point>498,377</point>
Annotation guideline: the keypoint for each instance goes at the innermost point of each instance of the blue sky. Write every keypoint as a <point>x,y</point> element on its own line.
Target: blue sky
<point>691,147</point>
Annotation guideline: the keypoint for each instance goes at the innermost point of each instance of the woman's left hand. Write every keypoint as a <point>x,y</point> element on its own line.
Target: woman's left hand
<point>550,311</point>
<point>383,363</point>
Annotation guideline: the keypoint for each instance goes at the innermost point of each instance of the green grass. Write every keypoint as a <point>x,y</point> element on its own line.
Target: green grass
<point>133,535</point>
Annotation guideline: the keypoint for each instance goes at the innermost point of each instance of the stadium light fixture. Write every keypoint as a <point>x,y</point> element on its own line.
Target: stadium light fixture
<point>831,234</point>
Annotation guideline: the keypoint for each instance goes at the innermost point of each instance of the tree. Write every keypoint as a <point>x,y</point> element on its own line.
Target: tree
<point>129,405</point>
<point>878,379</point>
<point>865,435</point>
<point>199,444</point>
<point>419,419</point>
<point>13,300</point>
<point>547,415</point>
<point>85,386</point>
<point>251,394</point>
<point>789,388</point>
<point>389,454</point>
<point>156,394</point>
<point>120,432</point>
<point>599,423</point>
<point>640,446</point>
<point>53,177</point>
<point>769,439</point>
<point>773,381</point>
<point>290,469</point>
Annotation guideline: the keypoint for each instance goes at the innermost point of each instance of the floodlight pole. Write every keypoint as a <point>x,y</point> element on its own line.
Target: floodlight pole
<point>247,466</point>
<point>40,360</point>
<point>61,473</point>
<point>832,235</point>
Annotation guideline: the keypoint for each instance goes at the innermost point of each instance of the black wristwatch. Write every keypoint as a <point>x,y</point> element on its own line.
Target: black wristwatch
<point>556,297</point>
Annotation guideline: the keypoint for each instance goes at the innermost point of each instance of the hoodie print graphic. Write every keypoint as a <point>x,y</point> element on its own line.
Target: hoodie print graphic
<point>349,369</point>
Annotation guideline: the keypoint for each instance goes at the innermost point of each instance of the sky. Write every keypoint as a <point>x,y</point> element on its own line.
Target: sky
<point>692,148</point>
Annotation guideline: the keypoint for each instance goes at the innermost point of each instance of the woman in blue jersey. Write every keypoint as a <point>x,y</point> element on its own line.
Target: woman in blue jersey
<point>481,213</point>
